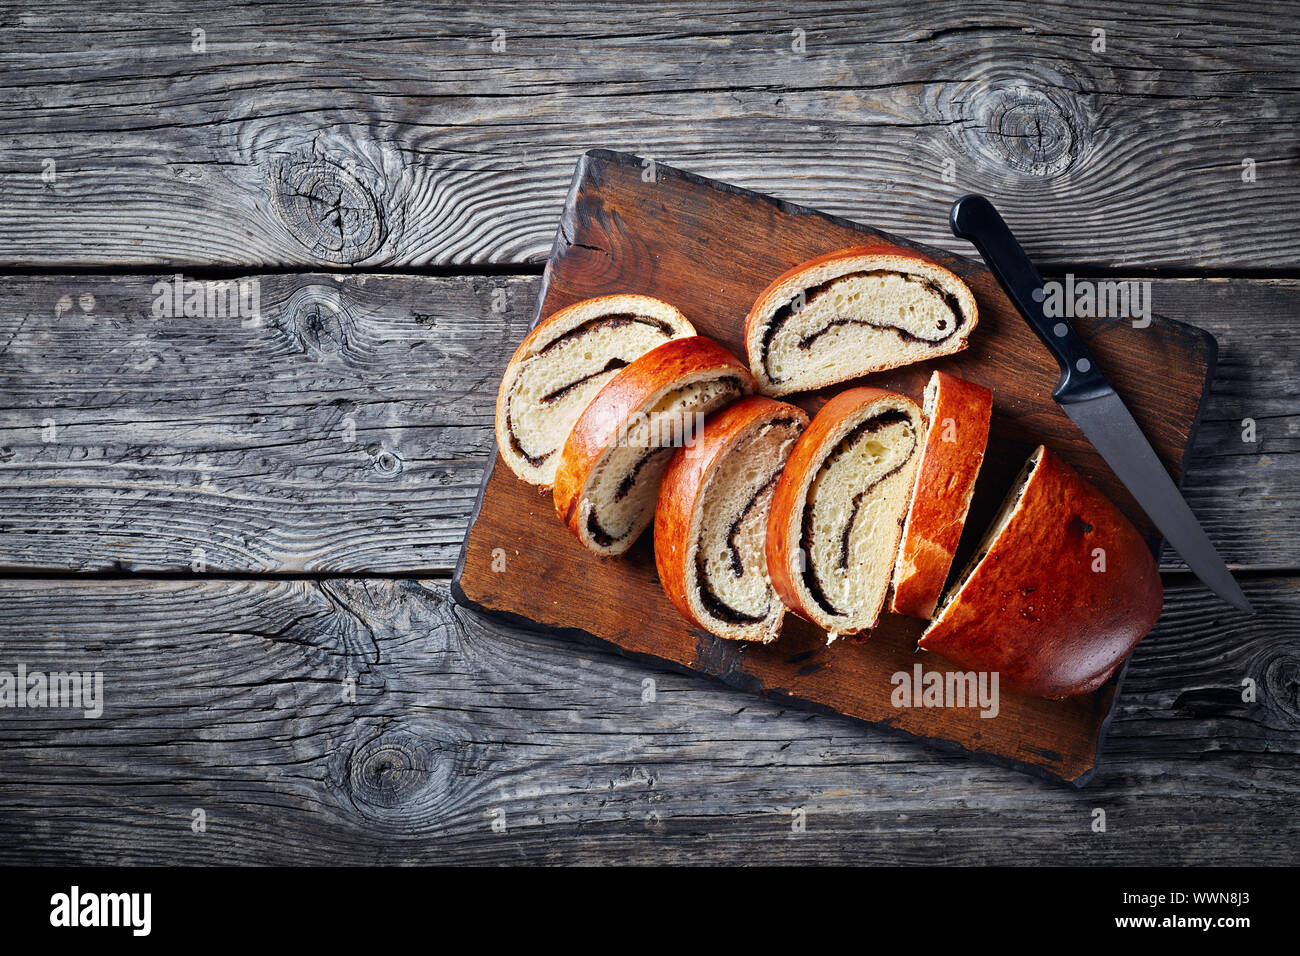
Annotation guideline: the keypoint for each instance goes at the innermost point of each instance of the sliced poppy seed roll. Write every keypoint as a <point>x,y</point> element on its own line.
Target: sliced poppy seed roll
<point>854,312</point>
<point>610,467</point>
<point>957,413</point>
<point>561,366</point>
<point>711,520</point>
<point>839,506</point>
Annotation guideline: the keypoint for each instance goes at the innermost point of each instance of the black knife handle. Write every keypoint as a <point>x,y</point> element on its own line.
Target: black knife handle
<point>974,219</point>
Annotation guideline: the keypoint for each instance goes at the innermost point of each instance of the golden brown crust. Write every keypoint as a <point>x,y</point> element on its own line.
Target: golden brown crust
<point>604,418</point>
<point>1037,608</point>
<point>758,311</point>
<point>681,489</point>
<point>945,479</point>
<point>785,517</point>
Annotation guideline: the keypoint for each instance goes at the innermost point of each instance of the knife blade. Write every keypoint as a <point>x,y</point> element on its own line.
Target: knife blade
<point>1091,403</point>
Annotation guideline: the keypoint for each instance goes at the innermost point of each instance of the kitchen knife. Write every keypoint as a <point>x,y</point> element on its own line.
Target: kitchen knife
<point>1088,399</point>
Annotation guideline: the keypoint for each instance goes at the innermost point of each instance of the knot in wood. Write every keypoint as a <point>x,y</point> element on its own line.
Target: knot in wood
<point>386,462</point>
<point>327,209</point>
<point>320,320</point>
<point>1282,683</point>
<point>389,774</point>
<point>1028,130</point>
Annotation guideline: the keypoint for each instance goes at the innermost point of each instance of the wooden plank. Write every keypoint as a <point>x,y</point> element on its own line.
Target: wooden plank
<point>346,430</point>
<point>142,405</point>
<point>229,697</point>
<point>407,140</point>
<point>672,237</point>
<point>1250,428</point>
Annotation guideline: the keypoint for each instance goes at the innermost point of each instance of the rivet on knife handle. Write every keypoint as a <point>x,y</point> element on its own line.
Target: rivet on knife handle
<point>974,219</point>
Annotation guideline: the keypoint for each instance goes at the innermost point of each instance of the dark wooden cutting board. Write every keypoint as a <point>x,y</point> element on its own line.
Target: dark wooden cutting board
<point>710,248</point>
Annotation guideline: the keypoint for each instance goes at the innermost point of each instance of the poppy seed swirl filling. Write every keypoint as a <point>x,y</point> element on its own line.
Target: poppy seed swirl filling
<point>590,354</point>
<point>626,480</point>
<point>916,296</point>
<point>838,503</point>
<point>730,557</point>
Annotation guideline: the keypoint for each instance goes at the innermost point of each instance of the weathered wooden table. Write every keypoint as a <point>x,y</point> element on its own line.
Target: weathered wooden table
<point>248,526</point>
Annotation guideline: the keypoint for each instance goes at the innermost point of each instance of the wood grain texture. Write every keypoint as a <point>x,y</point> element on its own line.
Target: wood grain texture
<point>1250,426</point>
<point>141,406</point>
<point>308,136</point>
<point>228,696</point>
<point>392,136</point>
<point>671,236</point>
<point>345,431</point>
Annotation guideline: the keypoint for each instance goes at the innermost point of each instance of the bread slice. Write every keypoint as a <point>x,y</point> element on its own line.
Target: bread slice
<point>608,478</point>
<point>837,512</point>
<point>957,416</point>
<point>711,520</point>
<point>561,365</point>
<point>853,312</point>
<point>1059,593</point>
